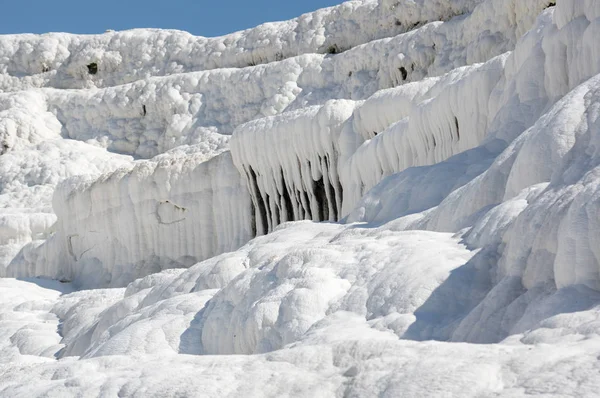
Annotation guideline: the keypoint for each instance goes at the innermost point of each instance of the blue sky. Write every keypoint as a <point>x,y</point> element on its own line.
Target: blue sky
<point>206,18</point>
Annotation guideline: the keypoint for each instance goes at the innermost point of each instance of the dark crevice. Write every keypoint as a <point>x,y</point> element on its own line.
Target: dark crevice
<point>92,68</point>
<point>309,210</point>
<point>333,49</point>
<point>317,200</point>
<point>418,24</point>
<point>457,128</point>
<point>404,72</point>
<point>331,192</point>
<point>258,203</point>
<point>253,219</point>
<point>340,191</point>
<point>321,198</point>
<point>287,201</point>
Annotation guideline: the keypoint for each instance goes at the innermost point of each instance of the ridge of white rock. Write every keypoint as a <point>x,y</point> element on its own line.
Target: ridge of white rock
<point>65,61</point>
<point>147,116</point>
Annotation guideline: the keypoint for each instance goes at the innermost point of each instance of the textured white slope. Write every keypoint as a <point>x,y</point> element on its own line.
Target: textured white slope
<point>462,153</point>
<point>542,231</point>
<point>356,367</point>
<point>149,116</point>
<point>352,353</point>
<point>28,331</point>
<point>60,60</point>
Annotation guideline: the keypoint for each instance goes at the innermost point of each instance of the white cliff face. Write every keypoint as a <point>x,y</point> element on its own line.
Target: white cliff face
<point>136,220</point>
<point>286,221</point>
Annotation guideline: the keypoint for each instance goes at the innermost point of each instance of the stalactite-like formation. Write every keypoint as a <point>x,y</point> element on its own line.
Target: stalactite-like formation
<point>297,177</point>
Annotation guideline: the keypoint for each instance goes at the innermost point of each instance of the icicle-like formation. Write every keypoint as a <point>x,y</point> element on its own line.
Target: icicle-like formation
<point>452,118</point>
<point>290,164</point>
